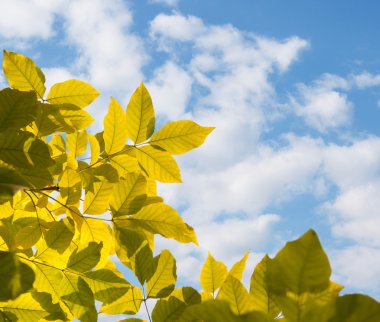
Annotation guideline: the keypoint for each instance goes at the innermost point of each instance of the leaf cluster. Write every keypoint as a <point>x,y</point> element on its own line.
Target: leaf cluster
<point>72,201</point>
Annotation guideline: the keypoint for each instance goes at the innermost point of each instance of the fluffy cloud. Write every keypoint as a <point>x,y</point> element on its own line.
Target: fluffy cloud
<point>170,3</point>
<point>365,80</point>
<point>35,18</point>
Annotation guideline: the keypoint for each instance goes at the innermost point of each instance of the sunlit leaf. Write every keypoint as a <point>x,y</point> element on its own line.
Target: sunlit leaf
<point>159,165</point>
<point>213,274</point>
<point>74,92</point>
<point>97,198</point>
<point>115,128</point>
<point>127,304</point>
<point>238,268</point>
<point>95,148</point>
<point>23,74</point>
<point>85,259</point>
<point>128,195</point>
<point>180,136</point>
<point>140,115</point>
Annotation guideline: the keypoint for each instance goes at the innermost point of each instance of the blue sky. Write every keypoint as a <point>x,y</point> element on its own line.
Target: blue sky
<point>293,88</point>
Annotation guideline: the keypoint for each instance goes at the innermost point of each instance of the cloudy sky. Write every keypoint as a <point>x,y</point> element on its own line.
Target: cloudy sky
<point>292,87</point>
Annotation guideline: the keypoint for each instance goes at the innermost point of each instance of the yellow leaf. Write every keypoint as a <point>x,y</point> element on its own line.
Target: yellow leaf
<point>162,282</point>
<point>70,187</point>
<point>95,148</point>
<point>115,128</point>
<point>140,115</point>
<point>159,165</point>
<point>74,92</point>
<point>213,274</point>
<point>238,268</point>
<point>23,74</point>
<point>162,219</point>
<point>128,195</point>
<point>97,199</point>
<point>77,143</point>
<point>236,295</point>
<point>124,163</point>
<point>127,304</point>
<point>180,136</point>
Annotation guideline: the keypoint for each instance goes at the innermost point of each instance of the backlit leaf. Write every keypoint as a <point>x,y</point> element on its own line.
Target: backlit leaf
<point>85,259</point>
<point>140,115</point>
<point>115,128</point>
<point>238,268</point>
<point>213,274</point>
<point>97,198</point>
<point>127,304</point>
<point>74,92</point>
<point>128,195</point>
<point>23,74</point>
<point>17,109</point>
<point>159,165</point>
<point>162,282</point>
<point>180,136</point>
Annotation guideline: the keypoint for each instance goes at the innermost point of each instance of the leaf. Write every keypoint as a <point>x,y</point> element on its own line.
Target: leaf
<point>23,74</point>
<point>17,109</point>
<point>95,148</point>
<point>106,285</point>
<point>301,266</point>
<point>172,308</point>
<point>29,234</point>
<point>128,195</point>
<point>236,295</point>
<point>31,307</point>
<point>77,295</point>
<point>74,92</point>
<point>212,311</point>
<point>262,298</point>
<point>180,136</point>
<point>159,165</point>
<point>238,268</point>
<point>127,304</point>
<point>85,259</point>
<point>15,277</point>
<point>162,282</point>
<point>213,274</point>
<point>115,128</point>
<point>140,115</point>
<point>10,183</point>
<point>162,219</point>
<point>77,143</point>
<point>96,200</point>
<point>70,187</point>
<point>124,164</point>
<point>36,178</point>
<point>48,279</point>
<point>24,150</point>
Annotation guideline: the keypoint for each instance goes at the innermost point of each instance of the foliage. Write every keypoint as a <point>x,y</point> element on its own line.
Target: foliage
<point>62,218</point>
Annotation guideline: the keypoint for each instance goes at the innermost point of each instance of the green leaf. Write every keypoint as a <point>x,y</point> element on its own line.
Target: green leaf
<point>212,311</point>
<point>74,92</point>
<point>24,150</point>
<point>129,303</point>
<point>162,219</point>
<point>180,136</point>
<point>140,115</point>
<point>236,295</point>
<point>48,279</point>
<point>36,178</point>
<point>23,74</point>
<point>15,277</point>
<point>162,282</point>
<point>128,195</point>
<point>17,109</point>
<point>262,297</point>
<point>159,165</point>
<point>172,308</point>
<point>301,266</point>
<point>115,128</point>
<point>85,259</point>
<point>10,183</point>
<point>213,274</point>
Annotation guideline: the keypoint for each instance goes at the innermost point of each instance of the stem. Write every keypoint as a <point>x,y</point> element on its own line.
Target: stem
<point>146,306</point>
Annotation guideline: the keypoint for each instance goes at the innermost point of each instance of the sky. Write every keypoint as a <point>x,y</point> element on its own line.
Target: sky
<point>292,87</point>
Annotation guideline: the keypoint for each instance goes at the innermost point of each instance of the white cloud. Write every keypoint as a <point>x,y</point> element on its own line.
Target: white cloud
<point>322,107</point>
<point>110,54</point>
<point>170,90</point>
<point>25,19</point>
<point>365,80</point>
